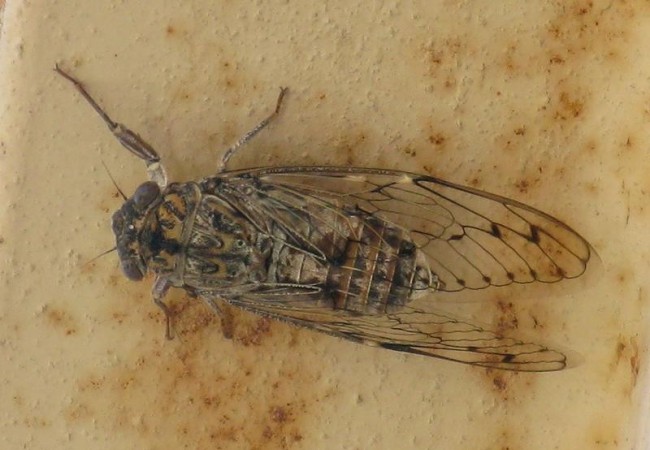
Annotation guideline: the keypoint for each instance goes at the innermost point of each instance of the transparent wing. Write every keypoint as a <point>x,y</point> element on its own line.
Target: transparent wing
<point>472,239</point>
<point>410,330</point>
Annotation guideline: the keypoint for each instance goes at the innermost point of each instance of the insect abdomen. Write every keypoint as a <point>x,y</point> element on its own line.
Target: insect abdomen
<point>380,270</point>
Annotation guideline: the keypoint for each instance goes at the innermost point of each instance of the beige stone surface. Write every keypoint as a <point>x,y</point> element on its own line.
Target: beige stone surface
<point>544,102</point>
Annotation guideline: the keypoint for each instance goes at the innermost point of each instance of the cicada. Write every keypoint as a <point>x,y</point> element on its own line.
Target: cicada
<point>356,253</point>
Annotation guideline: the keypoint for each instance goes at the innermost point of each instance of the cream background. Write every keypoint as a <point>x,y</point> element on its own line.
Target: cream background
<point>543,102</point>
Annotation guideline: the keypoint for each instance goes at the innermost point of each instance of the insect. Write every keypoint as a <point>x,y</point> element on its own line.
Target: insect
<point>356,253</point>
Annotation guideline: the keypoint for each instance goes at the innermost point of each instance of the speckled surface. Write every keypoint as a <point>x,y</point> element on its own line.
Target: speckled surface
<point>546,103</point>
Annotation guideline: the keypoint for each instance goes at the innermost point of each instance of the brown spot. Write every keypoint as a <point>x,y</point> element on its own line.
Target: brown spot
<point>90,383</point>
<point>61,320</point>
<point>627,357</point>
<point>511,58</point>
<point>536,322</point>
<point>411,152</point>
<point>635,363</point>
<point>77,412</point>
<point>568,106</point>
<point>507,319</point>
<point>522,186</point>
<point>520,131</point>
<point>590,147</point>
<point>437,139</point>
<point>620,348</point>
<point>254,333</point>
<point>435,57</point>
<point>36,422</point>
<point>502,383</point>
<point>526,185</point>
<point>584,8</point>
<point>604,431</point>
<point>191,320</point>
<point>280,414</point>
<point>119,316</point>
<point>558,271</point>
<point>351,146</point>
<point>18,400</point>
<point>499,383</point>
<point>170,30</point>
<point>440,58</point>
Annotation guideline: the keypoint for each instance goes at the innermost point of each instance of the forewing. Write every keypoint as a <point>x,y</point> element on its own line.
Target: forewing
<point>410,330</point>
<point>472,239</point>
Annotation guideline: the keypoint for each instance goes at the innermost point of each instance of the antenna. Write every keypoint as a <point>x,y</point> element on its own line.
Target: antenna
<point>114,182</point>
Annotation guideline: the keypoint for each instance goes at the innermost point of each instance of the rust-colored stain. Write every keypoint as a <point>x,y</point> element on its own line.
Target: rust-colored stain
<point>410,152</point>
<point>60,319</point>
<point>198,388</point>
<point>177,31</point>
<point>523,185</point>
<point>568,105</point>
<point>437,139</point>
<point>240,381</point>
<point>627,358</point>
<point>255,332</point>
<point>441,57</point>
<point>350,146</point>
<point>507,320</point>
<point>499,382</point>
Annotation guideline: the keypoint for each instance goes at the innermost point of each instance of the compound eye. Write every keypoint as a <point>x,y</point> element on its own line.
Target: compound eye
<point>146,194</point>
<point>131,270</point>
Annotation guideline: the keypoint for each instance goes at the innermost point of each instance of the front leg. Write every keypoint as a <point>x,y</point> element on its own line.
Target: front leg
<point>128,138</point>
<point>158,292</point>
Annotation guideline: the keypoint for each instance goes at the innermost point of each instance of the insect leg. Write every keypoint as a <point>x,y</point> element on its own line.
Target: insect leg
<point>225,315</point>
<point>248,136</point>
<point>158,291</point>
<point>129,139</point>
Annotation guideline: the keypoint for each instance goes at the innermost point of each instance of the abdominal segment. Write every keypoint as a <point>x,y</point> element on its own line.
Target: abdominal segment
<point>370,266</point>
